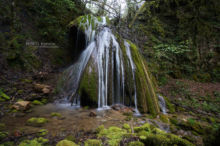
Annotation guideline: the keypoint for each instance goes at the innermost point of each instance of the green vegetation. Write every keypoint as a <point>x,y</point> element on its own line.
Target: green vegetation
<point>146,96</point>
<point>93,142</point>
<point>55,114</point>
<point>35,142</point>
<point>3,96</point>
<point>182,38</point>
<point>37,122</point>
<point>66,143</point>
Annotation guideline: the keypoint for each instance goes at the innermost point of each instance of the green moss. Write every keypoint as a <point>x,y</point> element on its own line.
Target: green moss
<point>145,127</point>
<point>3,135</point>
<point>37,102</point>
<point>70,138</point>
<point>127,127</point>
<point>55,114</point>
<point>113,134</point>
<point>158,131</point>
<point>169,105</point>
<point>88,89</point>
<point>37,122</point>
<point>2,126</point>
<point>44,101</point>
<point>9,143</point>
<point>174,120</point>
<point>66,143</point>
<point>147,99</point>
<point>135,143</point>
<point>143,133</point>
<point>43,132</point>
<point>164,118</point>
<point>35,142</point>
<point>100,128</point>
<point>3,96</point>
<point>93,142</point>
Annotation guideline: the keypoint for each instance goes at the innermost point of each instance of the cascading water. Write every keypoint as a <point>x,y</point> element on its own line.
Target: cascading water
<point>162,104</point>
<point>105,73</point>
<point>128,52</point>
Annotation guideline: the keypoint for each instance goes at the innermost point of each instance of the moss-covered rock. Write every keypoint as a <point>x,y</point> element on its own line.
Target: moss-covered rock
<point>147,100</point>
<point>83,22</point>
<point>93,142</point>
<point>135,143</point>
<point>37,102</point>
<point>66,143</point>
<point>54,114</point>
<point>88,89</point>
<point>36,122</point>
<point>35,142</point>
<point>113,134</point>
<point>145,127</point>
<point>43,132</point>
<point>127,127</point>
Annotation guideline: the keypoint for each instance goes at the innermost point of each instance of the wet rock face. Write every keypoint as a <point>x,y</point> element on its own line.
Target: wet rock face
<point>109,71</point>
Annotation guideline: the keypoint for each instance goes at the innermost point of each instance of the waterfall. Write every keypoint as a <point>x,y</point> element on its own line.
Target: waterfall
<point>74,73</point>
<point>104,51</point>
<point>162,104</point>
<point>128,53</point>
<point>106,45</point>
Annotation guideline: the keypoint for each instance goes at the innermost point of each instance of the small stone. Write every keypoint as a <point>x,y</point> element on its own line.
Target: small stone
<point>92,114</point>
<point>21,105</point>
<point>46,89</point>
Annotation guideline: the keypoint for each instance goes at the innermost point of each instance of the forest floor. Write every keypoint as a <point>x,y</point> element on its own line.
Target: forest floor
<point>195,115</point>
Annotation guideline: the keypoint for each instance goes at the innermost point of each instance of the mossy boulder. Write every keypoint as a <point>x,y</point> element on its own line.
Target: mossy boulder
<point>145,127</point>
<point>93,142</point>
<point>88,88</point>
<point>127,127</point>
<point>66,143</point>
<point>113,134</point>
<point>147,100</point>
<point>36,122</point>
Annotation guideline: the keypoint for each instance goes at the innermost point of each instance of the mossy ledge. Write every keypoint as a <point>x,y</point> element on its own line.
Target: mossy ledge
<point>147,100</point>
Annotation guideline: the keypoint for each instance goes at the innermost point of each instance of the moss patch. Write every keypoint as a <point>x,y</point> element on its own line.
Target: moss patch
<point>93,142</point>
<point>113,134</point>
<point>147,100</point>
<point>37,122</point>
<point>88,89</point>
<point>35,142</point>
<point>66,143</point>
<point>3,96</point>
